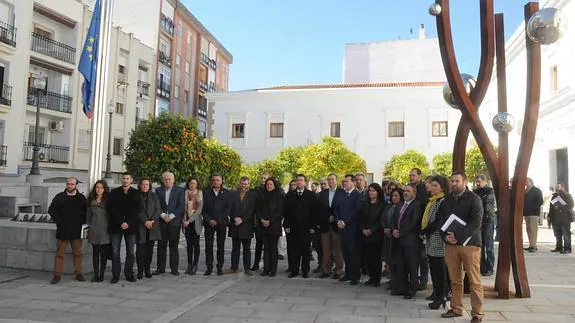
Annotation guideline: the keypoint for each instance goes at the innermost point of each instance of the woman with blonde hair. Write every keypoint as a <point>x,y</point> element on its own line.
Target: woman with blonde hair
<point>193,224</point>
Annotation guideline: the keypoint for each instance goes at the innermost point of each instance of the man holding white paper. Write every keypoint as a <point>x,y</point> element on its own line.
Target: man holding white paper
<point>561,216</point>
<point>463,245</point>
<point>172,203</point>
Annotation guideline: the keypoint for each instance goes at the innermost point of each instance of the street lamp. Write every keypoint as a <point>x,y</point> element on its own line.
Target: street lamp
<point>111,109</point>
<point>40,85</point>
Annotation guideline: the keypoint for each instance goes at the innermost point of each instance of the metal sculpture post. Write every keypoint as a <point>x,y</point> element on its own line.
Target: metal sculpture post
<point>462,92</point>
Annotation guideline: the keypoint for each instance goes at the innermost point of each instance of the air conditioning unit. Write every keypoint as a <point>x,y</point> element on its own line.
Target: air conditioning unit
<point>56,126</point>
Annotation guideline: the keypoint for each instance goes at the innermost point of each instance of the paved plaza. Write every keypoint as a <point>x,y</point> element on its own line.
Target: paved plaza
<point>28,297</point>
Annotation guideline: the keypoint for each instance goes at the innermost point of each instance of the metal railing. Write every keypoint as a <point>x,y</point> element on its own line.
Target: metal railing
<point>47,153</point>
<point>163,90</point>
<point>167,24</point>
<point>50,100</point>
<point>7,34</point>
<point>143,88</point>
<point>204,59</point>
<point>212,87</point>
<point>212,63</point>
<point>3,155</point>
<point>6,95</point>
<point>203,85</point>
<point>52,48</point>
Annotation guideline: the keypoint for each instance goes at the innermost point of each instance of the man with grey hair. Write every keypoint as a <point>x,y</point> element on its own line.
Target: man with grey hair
<point>172,202</point>
<point>217,210</point>
<point>531,210</point>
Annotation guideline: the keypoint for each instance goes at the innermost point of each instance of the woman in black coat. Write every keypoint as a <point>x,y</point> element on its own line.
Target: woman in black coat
<point>269,223</point>
<point>148,230</point>
<point>372,232</point>
<point>396,199</point>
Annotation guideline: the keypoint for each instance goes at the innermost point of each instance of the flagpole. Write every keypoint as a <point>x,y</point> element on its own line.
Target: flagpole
<point>99,114</point>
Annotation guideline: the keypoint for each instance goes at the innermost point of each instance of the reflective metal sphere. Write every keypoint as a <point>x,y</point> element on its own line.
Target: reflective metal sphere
<point>435,9</point>
<point>469,83</point>
<point>503,122</point>
<point>547,25</point>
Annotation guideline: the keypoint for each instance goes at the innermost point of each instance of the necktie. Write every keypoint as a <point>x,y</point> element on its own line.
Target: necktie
<point>299,193</point>
<point>401,213</point>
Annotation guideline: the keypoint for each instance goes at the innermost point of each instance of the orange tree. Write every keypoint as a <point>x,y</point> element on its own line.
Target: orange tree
<point>222,160</point>
<point>330,156</point>
<point>398,167</point>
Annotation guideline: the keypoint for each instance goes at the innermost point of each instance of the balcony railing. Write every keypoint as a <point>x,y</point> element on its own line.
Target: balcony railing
<point>52,48</point>
<point>204,59</point>
<point>51,101</point>
<point>167,25</point>
<point>203,107</point>
<point>203,86</point>
<point>6,95</point>
<point>48,153</point>
<point>212,87</point>
<point>212,63</point>
<point>3,155</point>
<point>7,34</point>
<point>165,59</point>
<point>163,90</point>
<point>143,88</point>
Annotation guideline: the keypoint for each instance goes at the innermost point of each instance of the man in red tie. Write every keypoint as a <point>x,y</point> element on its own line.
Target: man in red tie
<point>405,232</point>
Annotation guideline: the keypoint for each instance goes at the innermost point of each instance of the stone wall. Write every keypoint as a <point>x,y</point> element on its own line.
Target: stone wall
<point>33,246</point>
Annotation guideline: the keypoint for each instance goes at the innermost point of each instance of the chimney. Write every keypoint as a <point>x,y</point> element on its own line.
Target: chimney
<point>421,31</point>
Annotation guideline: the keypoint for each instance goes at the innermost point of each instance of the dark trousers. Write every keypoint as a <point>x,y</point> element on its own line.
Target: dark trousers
<point>562,232</point>
<point>171,237</point>
<point>258,251</point>
<point>423,264</point>
<point>407,263</point>
<point>371,252</point>
<point>351,249</point>
<point>298,250</point>
<point>487,249</point>
<point>270,245</point>
<point>192,245</point>
<point>144,253</point>
<point>130,241</point>
<point>220,232</point>
<point>316,243</point>
<point>99,259</point>
<point>438,271</point>
<point>245,244</point>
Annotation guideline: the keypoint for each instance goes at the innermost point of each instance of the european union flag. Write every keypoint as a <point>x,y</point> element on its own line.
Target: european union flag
<point>89,62</point>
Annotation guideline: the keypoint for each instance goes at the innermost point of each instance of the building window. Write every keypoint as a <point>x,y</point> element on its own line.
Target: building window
<point>41,134</point>
<point>119,108</point>
<point>334,129</point>
<point>180,30</point>
<point>396,129</point>
<point>277,130</point>
<point>187,96</point>
<point>176,91</point>
<point>42,32</point>
<point>554,79</point>
<point>189,38</point>
<point>439,129</point>
<point>117,148</point>
<point>121,69</point>
<point>84,140</point>
<point>238,130</point>
<point>178,60</point>
<point>187,68</point>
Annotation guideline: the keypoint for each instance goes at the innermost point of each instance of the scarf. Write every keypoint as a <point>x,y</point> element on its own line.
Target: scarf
<point>426,215</point>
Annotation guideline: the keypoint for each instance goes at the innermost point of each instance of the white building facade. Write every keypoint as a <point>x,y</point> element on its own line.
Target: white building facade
<point>554,151</point>
<point>45,38</point>
<point>375,120</point>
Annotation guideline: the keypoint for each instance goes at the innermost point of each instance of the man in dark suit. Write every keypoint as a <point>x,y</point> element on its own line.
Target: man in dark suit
<point>217,210</point>
<point>172,202</point>
<point>242,224</point>
<point>347,218</point>
<point>123,208</point>
<point>422,196</point>
<point>299,208</point>
<point>327,226</point>
<point>405,231</point>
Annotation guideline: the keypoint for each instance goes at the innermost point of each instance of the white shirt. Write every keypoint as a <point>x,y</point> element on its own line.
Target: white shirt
<point>167,198</point>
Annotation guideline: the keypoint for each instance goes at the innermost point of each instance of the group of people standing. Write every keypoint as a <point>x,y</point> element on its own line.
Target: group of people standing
<point>355,228</point>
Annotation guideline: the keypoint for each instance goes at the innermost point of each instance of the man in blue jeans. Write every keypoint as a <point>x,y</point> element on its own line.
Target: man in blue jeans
<point>487,196</point>
<point>123,208</point>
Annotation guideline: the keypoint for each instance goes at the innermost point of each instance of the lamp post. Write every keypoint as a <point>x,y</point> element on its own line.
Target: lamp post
<point>111,109</point>
<point>40,85</point>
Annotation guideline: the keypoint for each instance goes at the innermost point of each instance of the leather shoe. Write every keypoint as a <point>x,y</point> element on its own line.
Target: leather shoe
<point>80,278</point>
<point>451,314</point>
<point>148,274</point>
<point>422,286</point>
<point>324,275</point>
<point>264,273</point>
<point>317,270</point>
<point>292,275</point>
<point>396,293</point>
<point>556,250</point>
<point>140,275</point>
<point>208,272</point>
<point>56,279</point>
<point>114,280</point>
<point>336,276</point>
<point>220,272</point>
<point>354,282</point>
<point>408,296</point>
<point>176,273</point>
<point>255,268</point>
<point>344,279</point>
<point>476,319</point>
<point>305,275</point>
<point>194,270</point>
<point>131,279</point>
<point>565,252</point>
<point>273,274</point>
<point>248,272</point>
<point>369,283</point>
<point>158,272</point>
<point>231,271</point>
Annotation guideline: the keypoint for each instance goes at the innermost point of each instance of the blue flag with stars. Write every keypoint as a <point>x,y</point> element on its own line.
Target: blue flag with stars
<point>89,62</point>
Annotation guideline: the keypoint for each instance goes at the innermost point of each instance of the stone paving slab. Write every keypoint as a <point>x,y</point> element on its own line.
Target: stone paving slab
<point>238,298</point>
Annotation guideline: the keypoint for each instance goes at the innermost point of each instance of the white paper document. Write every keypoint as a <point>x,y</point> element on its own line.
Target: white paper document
<point>558,199</point>
<point>455,224</point>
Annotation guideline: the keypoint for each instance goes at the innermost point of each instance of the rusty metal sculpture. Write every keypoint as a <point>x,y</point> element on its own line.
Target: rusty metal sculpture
<point>467,97</point>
